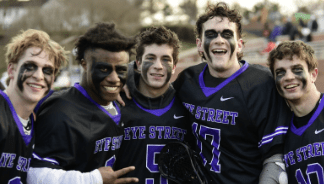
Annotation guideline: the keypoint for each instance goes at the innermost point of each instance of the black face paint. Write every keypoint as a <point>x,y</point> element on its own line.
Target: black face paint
<point>101,70</point>
<point>212,34</point>
<point>299,75</point>
<point>28,69</point>
<point>147,65</point>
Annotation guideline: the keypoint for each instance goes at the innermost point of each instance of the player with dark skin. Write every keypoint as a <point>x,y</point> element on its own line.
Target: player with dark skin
<point>33,60</point>
<point>86,153</point>
<point>295,71</point>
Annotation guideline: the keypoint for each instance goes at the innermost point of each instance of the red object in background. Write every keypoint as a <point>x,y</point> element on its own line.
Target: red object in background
<point>270,46</point>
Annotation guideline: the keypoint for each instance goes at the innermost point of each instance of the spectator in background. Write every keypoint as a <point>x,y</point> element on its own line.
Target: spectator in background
<point>312,25</point>
<point>289,29</point>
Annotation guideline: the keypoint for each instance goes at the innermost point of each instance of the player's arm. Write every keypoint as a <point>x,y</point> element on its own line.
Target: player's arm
<point>103,175</point>
<point>274,171</point>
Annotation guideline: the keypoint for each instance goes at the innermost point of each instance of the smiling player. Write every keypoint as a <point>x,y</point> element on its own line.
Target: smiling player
<point>33,59</point>
<point>154,117</point>
<point>294,68</point>
<point>236,114</point>
<point>78,130</point>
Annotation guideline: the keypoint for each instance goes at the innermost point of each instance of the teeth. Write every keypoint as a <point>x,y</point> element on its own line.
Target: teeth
<point>35,86</point>
<point>159,75</point>
<point>110,88</point>
<point>219,51</point>
<point>291,86</point>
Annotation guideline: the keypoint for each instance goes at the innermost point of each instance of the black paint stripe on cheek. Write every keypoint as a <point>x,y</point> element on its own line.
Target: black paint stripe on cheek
<point>302,77</point>
<point>24,74</point>
<point>169,72</point>
<point>206,47</point>
<point>231,41</point>
<point>48,80</point>
<point>277,81</point>
<point>146,66</point>
<point>98,76</point>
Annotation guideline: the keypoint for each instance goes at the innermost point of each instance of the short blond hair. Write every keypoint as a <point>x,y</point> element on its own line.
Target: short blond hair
<point>35,38</point>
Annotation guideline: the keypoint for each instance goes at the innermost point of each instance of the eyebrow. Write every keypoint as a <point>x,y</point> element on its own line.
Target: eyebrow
<point>33,62</point>
<point>219,31</point>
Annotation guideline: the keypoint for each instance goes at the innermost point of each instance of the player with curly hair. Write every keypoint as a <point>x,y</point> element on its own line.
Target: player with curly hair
<point>238,118</point>
<point>294,67</point>
<point>78,129</point>
<point>33,59</point>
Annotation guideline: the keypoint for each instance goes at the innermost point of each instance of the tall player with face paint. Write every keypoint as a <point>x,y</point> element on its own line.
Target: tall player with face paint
<point>294,68</point>
<point>237,117</point>
<point>154,116</point>
<point>78,130</point>
<point>33,59</point>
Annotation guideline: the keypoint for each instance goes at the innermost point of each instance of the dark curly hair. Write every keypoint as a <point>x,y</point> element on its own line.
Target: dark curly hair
<point>157,35</point>
<point>105,36</point>
<point>221,9</point>
<point>288,49</point>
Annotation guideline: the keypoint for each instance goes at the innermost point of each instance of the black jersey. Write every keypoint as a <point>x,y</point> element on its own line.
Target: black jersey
<point>304,150</point>
<point>15,146</point>
<point>75,133</point>
<point>149,124</point>
<point>235,123</point>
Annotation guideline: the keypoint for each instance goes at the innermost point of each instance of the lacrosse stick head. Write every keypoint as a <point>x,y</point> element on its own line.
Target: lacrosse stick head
<point>180,164</point>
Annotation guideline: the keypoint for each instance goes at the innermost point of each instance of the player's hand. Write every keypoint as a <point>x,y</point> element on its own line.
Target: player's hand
<point>126,90</point>
<point>120,100</point>
<point>109,176</point>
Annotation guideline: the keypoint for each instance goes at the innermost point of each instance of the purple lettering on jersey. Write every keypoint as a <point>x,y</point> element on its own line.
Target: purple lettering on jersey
<point>12,158</point>
<point>149,181</point>
<point>134,130</point>
<point>114,144</point>
<point>204,110</point>
<point>192,107</point>
<point>198,114</point>
<point>211,115</point>
<point>234,115</point>
<point>167,132</point>
<point>218,116</point>
<point>152,132</point>
<point>291,158</point>
<point>127,131</point>
<point>225,120</point>
<point>304,151</point>
<point>286,160</point>
<point>186,105</point>
<point>299,156</point>
<point>322,148</point>
<point>159,129</point>
<point>310,151</point>
<point>317,151</point>
<point>174,132</point>
<point>141,132</point>
<point>107,143</point>
<point>22,162</point>
<point>184,132</point>
<point>4,159</point>
<point>97,146</point>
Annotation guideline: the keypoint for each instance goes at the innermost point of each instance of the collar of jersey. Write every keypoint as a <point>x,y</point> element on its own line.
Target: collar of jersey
<point>156,112</point>
<point>211,90</point>
<point>116,118</point>
<point>26,138</point>
<point>299,131</point>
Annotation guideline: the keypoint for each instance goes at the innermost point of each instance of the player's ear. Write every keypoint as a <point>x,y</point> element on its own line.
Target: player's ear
<point>173,68</point>
<point>138,64</point>
<point>11,70</point>
<point>84,64</point>
<point>199,45</point>
<point>239,45</point>
<point>314,75</point>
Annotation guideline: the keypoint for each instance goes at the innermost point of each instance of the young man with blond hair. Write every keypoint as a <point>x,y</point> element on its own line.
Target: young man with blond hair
<point>33,59</point>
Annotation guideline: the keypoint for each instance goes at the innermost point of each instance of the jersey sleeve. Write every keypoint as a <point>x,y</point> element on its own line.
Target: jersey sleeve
<point>54,146</point>
<point>267,110</point>
<point>54,176</point>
